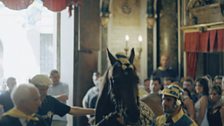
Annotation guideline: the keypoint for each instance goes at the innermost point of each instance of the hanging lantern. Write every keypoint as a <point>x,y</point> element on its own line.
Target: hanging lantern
<point>56,5</point>
<point>150,13</point>
<point>105,12</point>
<point>17,4</point>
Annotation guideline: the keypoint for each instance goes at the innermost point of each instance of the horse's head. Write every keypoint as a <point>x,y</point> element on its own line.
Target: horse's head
<point>123,89</point>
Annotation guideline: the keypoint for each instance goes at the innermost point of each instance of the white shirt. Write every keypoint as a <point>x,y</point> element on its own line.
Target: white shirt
<point>59,89</point>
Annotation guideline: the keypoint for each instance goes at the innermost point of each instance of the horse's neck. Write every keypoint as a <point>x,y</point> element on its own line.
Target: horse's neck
<point>105,105</point>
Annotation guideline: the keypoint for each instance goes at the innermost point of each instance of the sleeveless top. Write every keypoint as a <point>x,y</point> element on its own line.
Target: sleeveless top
<point>214,116</point>
<point>197,109</point>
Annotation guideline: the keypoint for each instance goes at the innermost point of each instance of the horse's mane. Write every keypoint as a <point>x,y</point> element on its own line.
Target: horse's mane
<point>104,81</point>
<point>103,96</point>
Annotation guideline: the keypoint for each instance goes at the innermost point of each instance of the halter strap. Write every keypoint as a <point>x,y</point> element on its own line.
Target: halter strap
<point>106,117</point>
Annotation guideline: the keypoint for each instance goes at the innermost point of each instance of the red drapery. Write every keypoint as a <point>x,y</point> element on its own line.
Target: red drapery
<point>53,5</point>
<point>191,64</point>
<point>191,41</point>
<point>209,41</point>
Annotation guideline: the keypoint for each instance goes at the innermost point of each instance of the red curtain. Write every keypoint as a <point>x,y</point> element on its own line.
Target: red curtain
<point>203,42</point>
<point>220,41</point>
<point>213,40</point>
<point>53,5</point>
<point>209,41</point>
<point>191,64</point>
<point>191,47</point>
<point>191,41</point>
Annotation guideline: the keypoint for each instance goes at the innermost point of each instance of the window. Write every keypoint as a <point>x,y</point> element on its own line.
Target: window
<point>28,37</point>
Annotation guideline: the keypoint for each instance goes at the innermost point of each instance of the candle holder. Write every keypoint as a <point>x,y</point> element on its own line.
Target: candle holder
<point>139,49</point>
<point>126,49</point>
<point>126,44</point>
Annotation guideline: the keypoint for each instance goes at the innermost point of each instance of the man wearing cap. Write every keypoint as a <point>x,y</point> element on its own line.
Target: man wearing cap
<point>51,106</point>
<point>173,113</point>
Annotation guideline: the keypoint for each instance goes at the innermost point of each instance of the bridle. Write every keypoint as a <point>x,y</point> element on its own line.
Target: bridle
<point>120,64</point>
<point>119,107</point>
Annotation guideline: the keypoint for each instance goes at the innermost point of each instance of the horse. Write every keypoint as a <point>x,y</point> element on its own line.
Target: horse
<point>118,102</point>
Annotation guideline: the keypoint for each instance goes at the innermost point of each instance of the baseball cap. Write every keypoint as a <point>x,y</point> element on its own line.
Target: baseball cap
<point>41,80</point>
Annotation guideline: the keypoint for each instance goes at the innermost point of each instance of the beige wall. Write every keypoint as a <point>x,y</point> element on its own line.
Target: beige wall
<point>130,20</point>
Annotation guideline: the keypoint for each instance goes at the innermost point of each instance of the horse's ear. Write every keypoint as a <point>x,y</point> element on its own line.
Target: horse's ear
<point>111,57</point>
<point>132,56</point>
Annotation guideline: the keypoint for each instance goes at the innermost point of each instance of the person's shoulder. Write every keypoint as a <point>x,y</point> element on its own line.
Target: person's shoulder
<point>157,70</point>
<point>204,98</point>
<point>64,85</point>
<point>5,94</point>
<point>91,91</point>
<point>189,122</point>
<point>7,120</point>
<point>187,119</point>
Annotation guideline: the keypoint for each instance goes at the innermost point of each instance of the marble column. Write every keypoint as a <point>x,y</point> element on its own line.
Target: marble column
<point>86,50</point>
<point>150,51</point>
<point>167,30</point>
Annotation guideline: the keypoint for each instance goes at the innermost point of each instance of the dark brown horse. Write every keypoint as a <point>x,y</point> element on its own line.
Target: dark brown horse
<point>119,96</point>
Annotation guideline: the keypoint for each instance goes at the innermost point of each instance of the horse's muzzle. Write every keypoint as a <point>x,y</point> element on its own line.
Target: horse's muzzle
<point>132,116</point>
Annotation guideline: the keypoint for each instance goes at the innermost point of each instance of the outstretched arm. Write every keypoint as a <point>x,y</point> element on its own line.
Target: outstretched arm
<point>79,111</point>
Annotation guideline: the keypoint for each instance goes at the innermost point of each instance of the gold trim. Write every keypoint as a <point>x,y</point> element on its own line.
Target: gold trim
<point>203,27</point>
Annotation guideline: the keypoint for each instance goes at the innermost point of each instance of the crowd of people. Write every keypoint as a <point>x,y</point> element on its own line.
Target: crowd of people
<point>37,102</point>
<point>200,100</point>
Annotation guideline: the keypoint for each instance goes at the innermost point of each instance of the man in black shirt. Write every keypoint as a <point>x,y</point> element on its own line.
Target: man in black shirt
<point>5,99</point>
<point>51,106</point>
<point>164,70</point>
